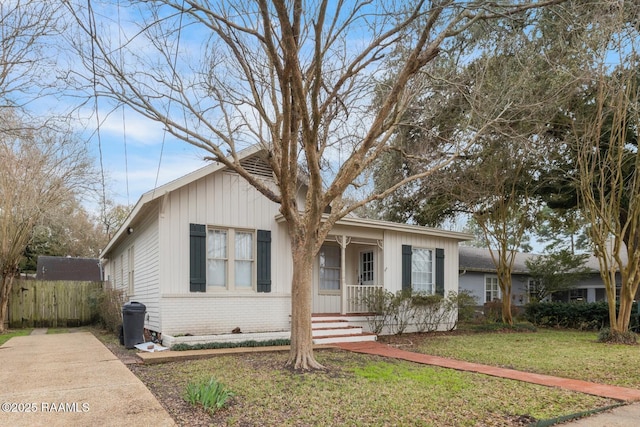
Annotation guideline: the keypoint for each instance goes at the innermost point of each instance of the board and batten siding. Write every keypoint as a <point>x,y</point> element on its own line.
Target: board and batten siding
<point>393,242</point>
<point>225,200</point>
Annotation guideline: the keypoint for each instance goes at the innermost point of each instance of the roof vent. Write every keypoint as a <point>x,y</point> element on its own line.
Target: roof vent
<point>257,166</point>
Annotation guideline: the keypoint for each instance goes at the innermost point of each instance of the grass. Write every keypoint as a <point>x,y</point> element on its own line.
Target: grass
<point>571,354</point>
<point>5,336</point>
<point>360,390</point>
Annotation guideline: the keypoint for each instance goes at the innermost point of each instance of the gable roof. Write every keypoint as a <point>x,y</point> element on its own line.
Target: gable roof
<point>479,260</point>
<point>255,164</point>
<point>67,268</point>
<point>152,195</point>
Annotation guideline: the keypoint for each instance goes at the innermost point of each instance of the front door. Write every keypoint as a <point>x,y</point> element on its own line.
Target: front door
<point>367,268</point>
<point>327,284</point>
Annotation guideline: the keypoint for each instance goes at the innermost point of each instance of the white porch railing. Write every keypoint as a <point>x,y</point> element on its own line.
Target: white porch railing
<point>359,295</point>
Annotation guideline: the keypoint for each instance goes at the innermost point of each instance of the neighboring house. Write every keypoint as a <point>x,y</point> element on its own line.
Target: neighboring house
<point>68,268</point>
<point>207,254</point>
<point>588,289</point>
<point>478,277</point>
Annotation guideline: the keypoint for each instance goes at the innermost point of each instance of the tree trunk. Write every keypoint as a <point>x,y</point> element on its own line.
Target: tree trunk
<point>626,305</point>
<point>624,314</point>
<point>504,280</point>
<point>5,289</point>
<point>301,354</point>
<point>506,306</point>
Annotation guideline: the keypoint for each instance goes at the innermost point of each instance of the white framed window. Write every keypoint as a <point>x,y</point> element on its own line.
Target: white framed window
<point>491,288</point>
<point>243,259</point>
<point>230,258</point>
<point>532,289</point>
<point>422,270</point>
<point>329,257</point>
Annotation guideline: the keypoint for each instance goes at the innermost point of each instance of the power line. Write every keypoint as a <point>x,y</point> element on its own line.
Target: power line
<point>173,78</point>
<point>92,33</point>
<point>124,122</point>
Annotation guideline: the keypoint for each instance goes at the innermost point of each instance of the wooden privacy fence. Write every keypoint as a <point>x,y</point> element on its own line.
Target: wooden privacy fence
<point>36,303</point>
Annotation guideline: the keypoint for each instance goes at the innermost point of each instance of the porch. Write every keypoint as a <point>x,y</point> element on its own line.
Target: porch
<point>348,275</point>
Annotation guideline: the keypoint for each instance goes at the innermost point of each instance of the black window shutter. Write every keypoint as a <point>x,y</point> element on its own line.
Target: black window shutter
<point>406,267</point>
<point>440,271</point>
<point>197,258</point>
<point>263,260</point>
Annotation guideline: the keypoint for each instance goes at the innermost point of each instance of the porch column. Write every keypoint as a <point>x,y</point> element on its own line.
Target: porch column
<point>343,242</point>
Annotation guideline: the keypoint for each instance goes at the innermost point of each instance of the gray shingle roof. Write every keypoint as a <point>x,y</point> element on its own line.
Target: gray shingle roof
<point>479,259</point>
<point>63,268</point>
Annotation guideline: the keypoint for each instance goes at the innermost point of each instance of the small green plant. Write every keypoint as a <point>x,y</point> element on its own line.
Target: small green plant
<point>211,394</point>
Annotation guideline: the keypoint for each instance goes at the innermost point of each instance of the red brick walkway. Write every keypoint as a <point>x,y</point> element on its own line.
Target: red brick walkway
<point>603,390</point>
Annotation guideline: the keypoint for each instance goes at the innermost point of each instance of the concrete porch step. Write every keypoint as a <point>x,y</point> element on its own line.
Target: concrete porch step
<point>345,330</point>
<point>333,329</point>
<point>327,324</point>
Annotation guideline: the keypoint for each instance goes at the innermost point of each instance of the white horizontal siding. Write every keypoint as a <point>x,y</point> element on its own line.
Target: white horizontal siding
<point>146,273</point>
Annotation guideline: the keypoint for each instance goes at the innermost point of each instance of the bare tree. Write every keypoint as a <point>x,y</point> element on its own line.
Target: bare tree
<point>295,77</point>
<point>26,59</point>
<point>41,171</point>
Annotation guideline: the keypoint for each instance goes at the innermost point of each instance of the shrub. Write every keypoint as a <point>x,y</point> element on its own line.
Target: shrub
<point>211,394</point>
<point>404,312</point>
<point>107,303</point>
<point>466,303</point>
<point>427,312</point>
<point>493,311</point>
<point>380,302</point>
<point>583,316</point>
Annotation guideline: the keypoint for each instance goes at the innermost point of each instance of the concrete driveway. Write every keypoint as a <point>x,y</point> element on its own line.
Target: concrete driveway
<point>71,379</point>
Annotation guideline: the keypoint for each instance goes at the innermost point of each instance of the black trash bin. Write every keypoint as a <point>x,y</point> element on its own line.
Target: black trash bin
<point>133,323</point>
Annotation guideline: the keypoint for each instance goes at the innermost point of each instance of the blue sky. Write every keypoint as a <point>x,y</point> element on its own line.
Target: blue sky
<point>137,154</point>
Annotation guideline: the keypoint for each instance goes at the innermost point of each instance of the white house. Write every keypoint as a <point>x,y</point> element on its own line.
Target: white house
<point>208,253</point>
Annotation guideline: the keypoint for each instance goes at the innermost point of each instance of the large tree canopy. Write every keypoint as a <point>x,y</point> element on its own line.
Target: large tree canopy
<point>536,76</point>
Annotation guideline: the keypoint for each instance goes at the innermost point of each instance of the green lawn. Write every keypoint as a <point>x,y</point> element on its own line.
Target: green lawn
<point>4,337</point>
<point>367,390</point>
<point>570,354</point>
